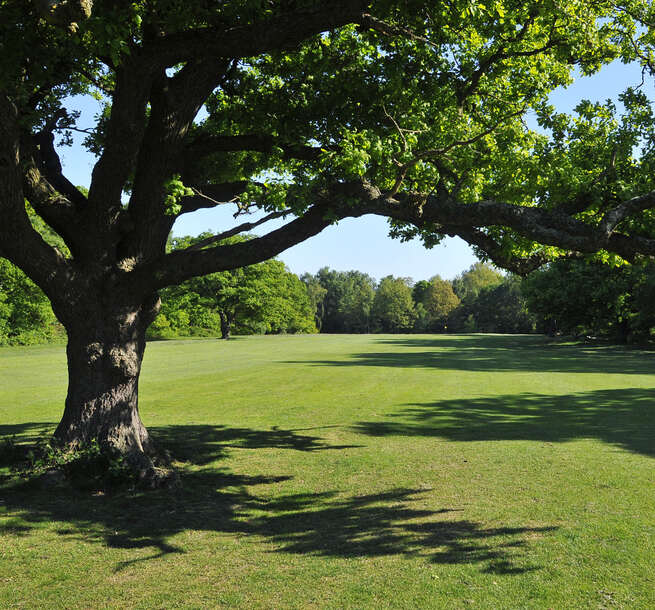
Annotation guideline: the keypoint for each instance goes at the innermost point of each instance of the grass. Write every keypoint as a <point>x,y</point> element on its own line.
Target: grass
<point>352,472</point>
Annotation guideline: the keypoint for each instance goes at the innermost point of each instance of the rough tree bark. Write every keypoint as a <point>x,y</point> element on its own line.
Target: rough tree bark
<point>226,325</point>
<point>105,351</point>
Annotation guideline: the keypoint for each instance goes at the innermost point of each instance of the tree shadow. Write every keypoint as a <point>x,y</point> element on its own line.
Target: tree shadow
<point>204,444</point>
<point>213,499</point>
<point>27,431</point>
<point>501,353</point>
<point>622,417</point>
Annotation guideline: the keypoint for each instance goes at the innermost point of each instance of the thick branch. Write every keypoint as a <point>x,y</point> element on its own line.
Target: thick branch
<point>50,166</point>
<point>614,216</point>
<point>281,32</point>
<point>516,264</point>
<point>19,242</point>
<point>207,144</point>
<point>544,226</point>
<point>123,136</point>
<point>175,102</point>
<point>179,266</point>
<point>53,207</point>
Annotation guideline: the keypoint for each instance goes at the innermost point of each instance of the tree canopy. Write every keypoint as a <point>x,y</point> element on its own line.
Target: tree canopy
<point>315,112</point>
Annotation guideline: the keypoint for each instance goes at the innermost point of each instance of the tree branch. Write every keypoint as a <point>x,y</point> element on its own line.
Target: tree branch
<point>280,32</point>
<point>548,227</point>
<point>50,166</point>
<point>123,137</point>
<point>386,29</point>
<point>206,145</point>
<point>516,264</point>
<point>246,226</point>
<point>618,213</point>
<point>175,102</point>
<point>19,242</point>
<point>179,266</point>
<point>211,195</point>
<point>52,206</point>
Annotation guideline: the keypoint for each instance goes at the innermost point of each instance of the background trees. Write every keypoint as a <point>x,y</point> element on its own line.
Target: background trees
<point>260,298</point>
<point>25,313</point>
<point>393,308</point>
<point>343,301</point>
<point>571,297</point>
<point>592,298</point>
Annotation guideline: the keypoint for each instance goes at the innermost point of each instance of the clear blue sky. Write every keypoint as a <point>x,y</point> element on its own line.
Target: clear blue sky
<point>363,243</point>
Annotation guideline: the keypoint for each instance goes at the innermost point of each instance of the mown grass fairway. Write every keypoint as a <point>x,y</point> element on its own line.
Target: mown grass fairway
<point>353,472</point>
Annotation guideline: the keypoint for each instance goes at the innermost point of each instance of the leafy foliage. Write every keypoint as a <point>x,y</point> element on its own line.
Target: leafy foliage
<point>393,308</point>
<point>591,298</point>
<point>262,298</point>
<point>26,316</point>
<point>347,298</point>
<point>87,466</point>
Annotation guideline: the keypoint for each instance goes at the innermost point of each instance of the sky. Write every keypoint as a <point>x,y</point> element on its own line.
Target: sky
<point>363,243</point>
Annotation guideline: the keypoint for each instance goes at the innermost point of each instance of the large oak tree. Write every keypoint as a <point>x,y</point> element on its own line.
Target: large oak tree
<point>317,111</point>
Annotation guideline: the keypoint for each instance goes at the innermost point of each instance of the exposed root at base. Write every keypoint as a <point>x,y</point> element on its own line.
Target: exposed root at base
<point>93,466</point>
<point>153,471</point>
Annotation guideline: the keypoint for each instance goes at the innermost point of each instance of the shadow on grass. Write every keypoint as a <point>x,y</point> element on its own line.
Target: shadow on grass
<point>212,499</point>
<point>622,417</point>
<point>28,431</point>
<point>532,353</point>
<point>204,444</point>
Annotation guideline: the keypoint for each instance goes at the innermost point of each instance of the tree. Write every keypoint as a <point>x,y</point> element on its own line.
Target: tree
<point>261,298</point>
<point>439,302</point>
<point>346,304</point>
<point>502,308</point>
<point>478,276</point>
<point>584,297</point>
<point>316,112</point>
<point>393,308</point>
<point>316,294</point>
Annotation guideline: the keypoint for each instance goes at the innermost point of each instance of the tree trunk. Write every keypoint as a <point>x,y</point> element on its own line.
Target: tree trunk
<point>104,354</point>
<point>226,325</point>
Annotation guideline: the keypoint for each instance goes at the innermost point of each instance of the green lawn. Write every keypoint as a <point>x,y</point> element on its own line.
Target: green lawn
<point>392,471</point>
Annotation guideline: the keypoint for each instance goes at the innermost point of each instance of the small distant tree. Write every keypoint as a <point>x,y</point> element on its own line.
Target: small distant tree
<point>478,276</point>
<point>316,293</point>
<point>260,298</point>
<point>346,306</point>
<point>439,302</point>
<point>393,308</point>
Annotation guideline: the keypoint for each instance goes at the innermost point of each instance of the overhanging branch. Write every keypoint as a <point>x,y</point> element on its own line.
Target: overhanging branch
<point>209,144</point>
<point>548,227</point>
<point>283,31</point>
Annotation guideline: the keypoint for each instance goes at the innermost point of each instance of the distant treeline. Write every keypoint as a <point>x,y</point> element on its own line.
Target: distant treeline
<point>478,300</point>
<point>570,297</point>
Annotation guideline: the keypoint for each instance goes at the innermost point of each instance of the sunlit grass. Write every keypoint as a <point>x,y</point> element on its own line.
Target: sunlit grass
<point>352,471</point>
